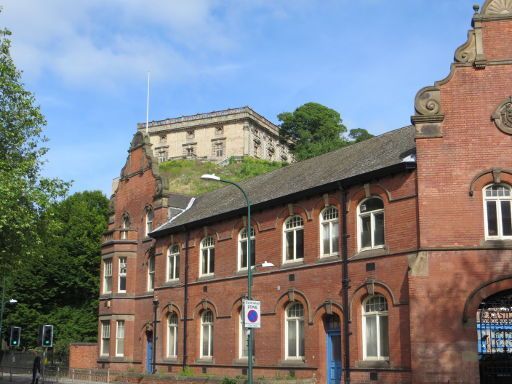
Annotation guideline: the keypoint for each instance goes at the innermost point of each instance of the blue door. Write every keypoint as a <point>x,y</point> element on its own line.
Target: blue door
<point>149,353</point>
<point>333,357</point>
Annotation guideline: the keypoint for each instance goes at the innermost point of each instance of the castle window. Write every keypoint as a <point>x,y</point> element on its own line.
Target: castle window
<point>207,256</point>
<point>125,226</point>
<point>294,331</point>
<point>375,328</point>
<point>371,223</point>
<point>329,232</point>
<point>497,208</point>
<point>105,338</point>
<point>173,263</point>
<point>207,334</point>
<point>107,276</point>
<point>151,273</point>
<point>122,274</point>
<point>120,338</point>
<point>293,239</point>
<point>149,220</point>
<point>242,249</point>
<point>218,149</point>
<point>172,335</point>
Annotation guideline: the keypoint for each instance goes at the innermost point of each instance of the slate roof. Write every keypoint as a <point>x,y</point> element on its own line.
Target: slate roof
<point>381,153</point>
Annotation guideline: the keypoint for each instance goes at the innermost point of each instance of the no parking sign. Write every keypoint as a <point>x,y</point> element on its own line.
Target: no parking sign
<point>252,314</point>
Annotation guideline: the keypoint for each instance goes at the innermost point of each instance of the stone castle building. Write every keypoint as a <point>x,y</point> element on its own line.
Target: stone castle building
<point>216,136</point>
<point>392,257</point>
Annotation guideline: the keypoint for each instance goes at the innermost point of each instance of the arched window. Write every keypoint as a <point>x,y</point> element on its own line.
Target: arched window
<point>173,262</point>
<point>242,249</point>
<point>125,225</point>
<point>149,220</point>
<point>375,328</point>
<point>497,207</point>
<point>371,223</point>
<point>329,232</point>
<point>207,256</point>
<point>294,331</point>
<point>172,335</point>
<point>293,239</point>
<point>207,334</point>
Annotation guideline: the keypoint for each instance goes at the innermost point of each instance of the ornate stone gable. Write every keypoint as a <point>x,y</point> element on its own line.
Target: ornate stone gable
<point>500,8</point>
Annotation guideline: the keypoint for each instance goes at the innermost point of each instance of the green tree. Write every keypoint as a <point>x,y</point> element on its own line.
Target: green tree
<point>24,193</point>
<point>314,129</point>
<point>359,134</point>
<point>61,287</point>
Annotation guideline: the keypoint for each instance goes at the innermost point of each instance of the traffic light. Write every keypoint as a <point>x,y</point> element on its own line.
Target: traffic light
<point>14,337</point>
<point>47,336</point>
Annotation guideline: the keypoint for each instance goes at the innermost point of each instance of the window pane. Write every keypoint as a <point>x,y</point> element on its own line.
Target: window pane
<point>253,252</point>
<point>379,229</point>
<point>122,283</point>
<point>325,238</point>
<point>106,347</point>
<point>366,240</point>
<point>335,237</point>
<point>204,262</point>
<point>206,339</point>
<point>505,218</point>
<point>289,245</point>
<point>492,221</point>
<point>383,336</point>
<point>299,254</point>
<point>371,336</point>
<point>177,267</point>
<point>172,342</point>
<point>212,260</point>
<point>120,347</point>
<point>301,338</point>
<point>372,205</point>
<point>336,347</point>
<point>292,338</point>
<point>243,249</point>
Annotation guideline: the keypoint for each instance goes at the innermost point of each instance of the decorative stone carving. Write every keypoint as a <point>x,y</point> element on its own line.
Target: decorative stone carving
<point>137,141</point>
<point>428,101</point>
<point>502,116</point>
<point>498,8</point>
<point>467,53</point>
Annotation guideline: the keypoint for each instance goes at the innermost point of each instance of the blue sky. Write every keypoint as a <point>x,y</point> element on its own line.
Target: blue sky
<point>86,61</point>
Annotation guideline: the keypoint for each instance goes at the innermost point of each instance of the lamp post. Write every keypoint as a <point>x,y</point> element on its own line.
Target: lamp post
<point>249,267</point>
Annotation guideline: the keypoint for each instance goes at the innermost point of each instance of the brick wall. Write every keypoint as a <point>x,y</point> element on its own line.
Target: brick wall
<point>83,355</point>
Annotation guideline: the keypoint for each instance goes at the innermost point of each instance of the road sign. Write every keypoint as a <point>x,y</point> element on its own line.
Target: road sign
<point>252,314</point>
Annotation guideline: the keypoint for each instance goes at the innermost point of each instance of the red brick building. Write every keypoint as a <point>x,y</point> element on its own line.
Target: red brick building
<point>392,257</point>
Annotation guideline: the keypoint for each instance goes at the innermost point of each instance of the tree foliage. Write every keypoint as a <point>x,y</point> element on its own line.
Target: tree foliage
<point>24,193</point>
<point>314,129</point>
<point>60,286</point>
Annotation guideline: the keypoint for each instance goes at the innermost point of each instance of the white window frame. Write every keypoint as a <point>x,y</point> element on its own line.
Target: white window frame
<point>331,224</point>
<point>499,213</point>
<point>372,215</point>
<point>242,337</point>
<point>379,314</point>
<point>173,263</point>
<point>242,244</point>
<point>208,249</point>
<point>172,329</point>
<point>150,217</point>
<point>120,334</point>
<point>122,270</point>
<point>151,273</point>
<point>107,276</point>
<point>105,338</point>
<point>293,224</point>
<point>206,325</point>
<point>299,322</point>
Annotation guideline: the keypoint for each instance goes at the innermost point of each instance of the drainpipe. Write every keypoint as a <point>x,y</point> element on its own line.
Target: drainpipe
<point>345,283</point>
<point>185,301</point>
<point>155,322</point>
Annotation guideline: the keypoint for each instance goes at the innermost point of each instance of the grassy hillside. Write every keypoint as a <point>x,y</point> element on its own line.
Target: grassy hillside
<point>185,175</point>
